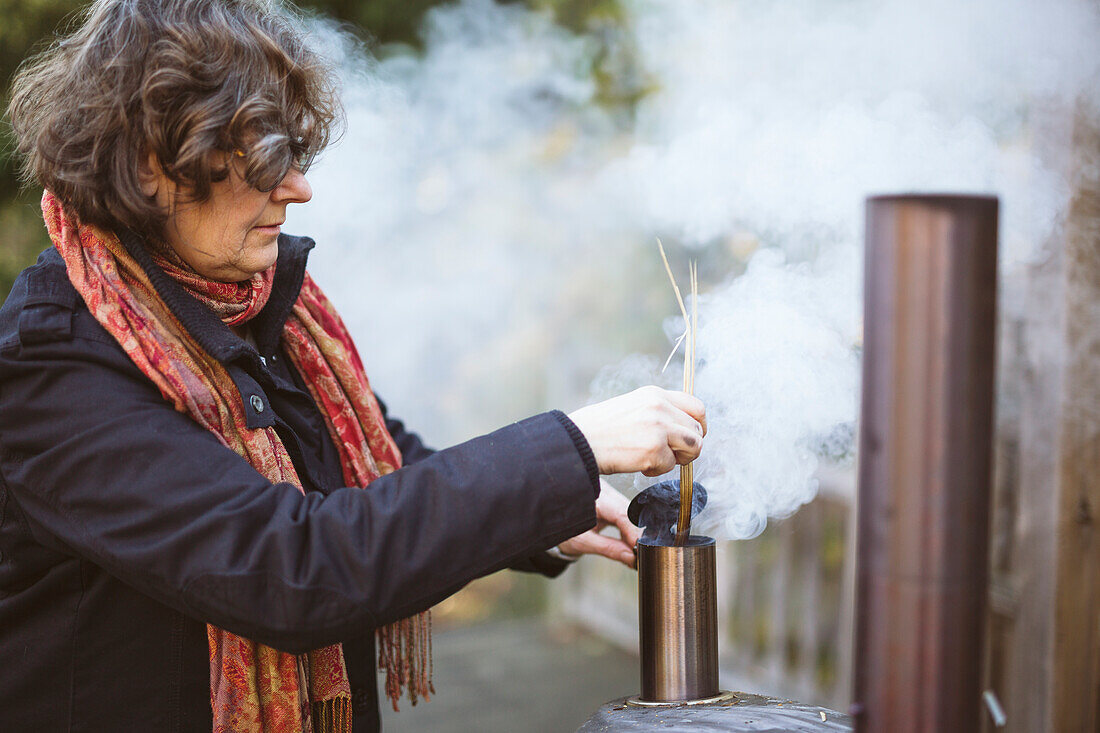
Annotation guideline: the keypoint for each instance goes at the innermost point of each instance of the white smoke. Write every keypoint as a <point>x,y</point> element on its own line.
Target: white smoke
<point>487,226</point>
<point>780,378</point>
<point>457,215</point>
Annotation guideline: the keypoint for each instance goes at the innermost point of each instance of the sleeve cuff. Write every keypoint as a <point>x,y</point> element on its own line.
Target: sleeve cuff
<point>583,448</point>
<point>554,552</point>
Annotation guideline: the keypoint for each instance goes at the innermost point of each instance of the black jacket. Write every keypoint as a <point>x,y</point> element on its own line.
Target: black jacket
<point>125,527</point>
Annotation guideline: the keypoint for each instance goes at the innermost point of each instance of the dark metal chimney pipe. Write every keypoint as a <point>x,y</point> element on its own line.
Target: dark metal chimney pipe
<point>925,454</point>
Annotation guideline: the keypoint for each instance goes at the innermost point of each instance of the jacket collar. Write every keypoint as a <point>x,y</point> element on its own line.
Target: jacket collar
<point>207,329</point>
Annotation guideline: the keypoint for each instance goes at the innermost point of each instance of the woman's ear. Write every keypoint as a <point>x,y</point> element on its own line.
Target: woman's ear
<point>150,175</point>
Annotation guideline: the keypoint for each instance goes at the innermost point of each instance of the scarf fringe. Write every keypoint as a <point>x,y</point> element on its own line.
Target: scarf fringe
<point>405,654</point>
<point>332,716</point>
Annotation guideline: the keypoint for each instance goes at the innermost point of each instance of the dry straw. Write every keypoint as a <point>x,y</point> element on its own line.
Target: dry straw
<point>687,471</point>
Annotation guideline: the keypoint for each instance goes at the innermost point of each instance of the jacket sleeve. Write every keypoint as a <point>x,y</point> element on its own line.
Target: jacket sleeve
<point>106,470</point>
<point>413,449</point>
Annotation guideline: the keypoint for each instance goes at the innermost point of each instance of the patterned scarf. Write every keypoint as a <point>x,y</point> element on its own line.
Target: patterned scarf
<point>254,687</point>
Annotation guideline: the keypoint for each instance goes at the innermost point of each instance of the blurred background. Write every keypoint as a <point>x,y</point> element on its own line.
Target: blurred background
<point>487,226</point>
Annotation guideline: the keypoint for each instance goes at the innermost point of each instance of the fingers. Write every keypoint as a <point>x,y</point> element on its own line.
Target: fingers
<point>690,405</point>
<point>678,408</point>
<point>661,461</point>
<point>629,533</point>
<point>685,444</point>
<point>592,543</point>
<point>611,510</point>
<point>649,430</point>
<point>682,446</point>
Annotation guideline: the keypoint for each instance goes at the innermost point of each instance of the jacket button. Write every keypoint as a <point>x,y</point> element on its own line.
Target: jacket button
<point>257,403</point>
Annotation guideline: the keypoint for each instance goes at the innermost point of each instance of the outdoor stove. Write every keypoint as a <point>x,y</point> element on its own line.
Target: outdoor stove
<point>678,646</point>
<point>678,639</point>
<point>677,601</point>
<point>925,450</point>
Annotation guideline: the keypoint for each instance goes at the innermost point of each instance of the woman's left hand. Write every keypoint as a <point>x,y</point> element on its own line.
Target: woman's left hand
<point>610,511</point>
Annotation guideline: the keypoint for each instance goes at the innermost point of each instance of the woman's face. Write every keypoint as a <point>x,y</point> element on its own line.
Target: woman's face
<point>233,234</point>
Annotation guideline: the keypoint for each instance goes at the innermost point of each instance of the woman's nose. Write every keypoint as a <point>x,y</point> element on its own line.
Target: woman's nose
<point>294,188</point>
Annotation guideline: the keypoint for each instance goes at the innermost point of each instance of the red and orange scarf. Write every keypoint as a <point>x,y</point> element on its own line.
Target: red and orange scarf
<point>254,687</point>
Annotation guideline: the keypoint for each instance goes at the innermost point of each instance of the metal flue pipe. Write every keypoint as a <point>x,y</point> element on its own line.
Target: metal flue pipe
<point>925,455</point>
<point>678,621</point>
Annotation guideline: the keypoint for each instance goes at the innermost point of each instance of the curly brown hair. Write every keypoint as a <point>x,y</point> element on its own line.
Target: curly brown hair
<point>182,80</point>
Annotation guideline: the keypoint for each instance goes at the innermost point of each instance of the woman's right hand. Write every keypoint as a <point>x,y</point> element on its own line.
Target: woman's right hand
<point>650,430</point>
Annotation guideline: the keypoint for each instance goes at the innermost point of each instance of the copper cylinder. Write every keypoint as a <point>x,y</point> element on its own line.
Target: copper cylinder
<point>925,456</point>
<point>678,620</point>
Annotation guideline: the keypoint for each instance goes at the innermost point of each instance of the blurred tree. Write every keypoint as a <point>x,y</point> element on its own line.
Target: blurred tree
<point>29,24</point>
<point>385,21</point>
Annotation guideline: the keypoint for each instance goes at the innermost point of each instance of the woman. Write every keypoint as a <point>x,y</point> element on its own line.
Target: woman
<point>186,429</point>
